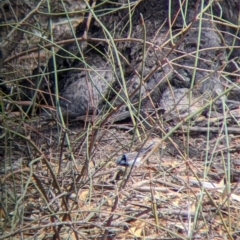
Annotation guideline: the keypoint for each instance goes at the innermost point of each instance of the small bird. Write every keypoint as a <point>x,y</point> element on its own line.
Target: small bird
<point>134,158</point>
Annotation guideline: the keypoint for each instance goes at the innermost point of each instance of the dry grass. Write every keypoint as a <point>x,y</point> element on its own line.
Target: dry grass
<point>80,192</point>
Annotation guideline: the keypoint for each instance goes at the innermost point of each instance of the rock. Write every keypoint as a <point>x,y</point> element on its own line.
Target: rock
<point>212,87</point>
<point>132,94</point>
<point>85,87</point>
<point>177,105</point>
<point>95,88</point>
